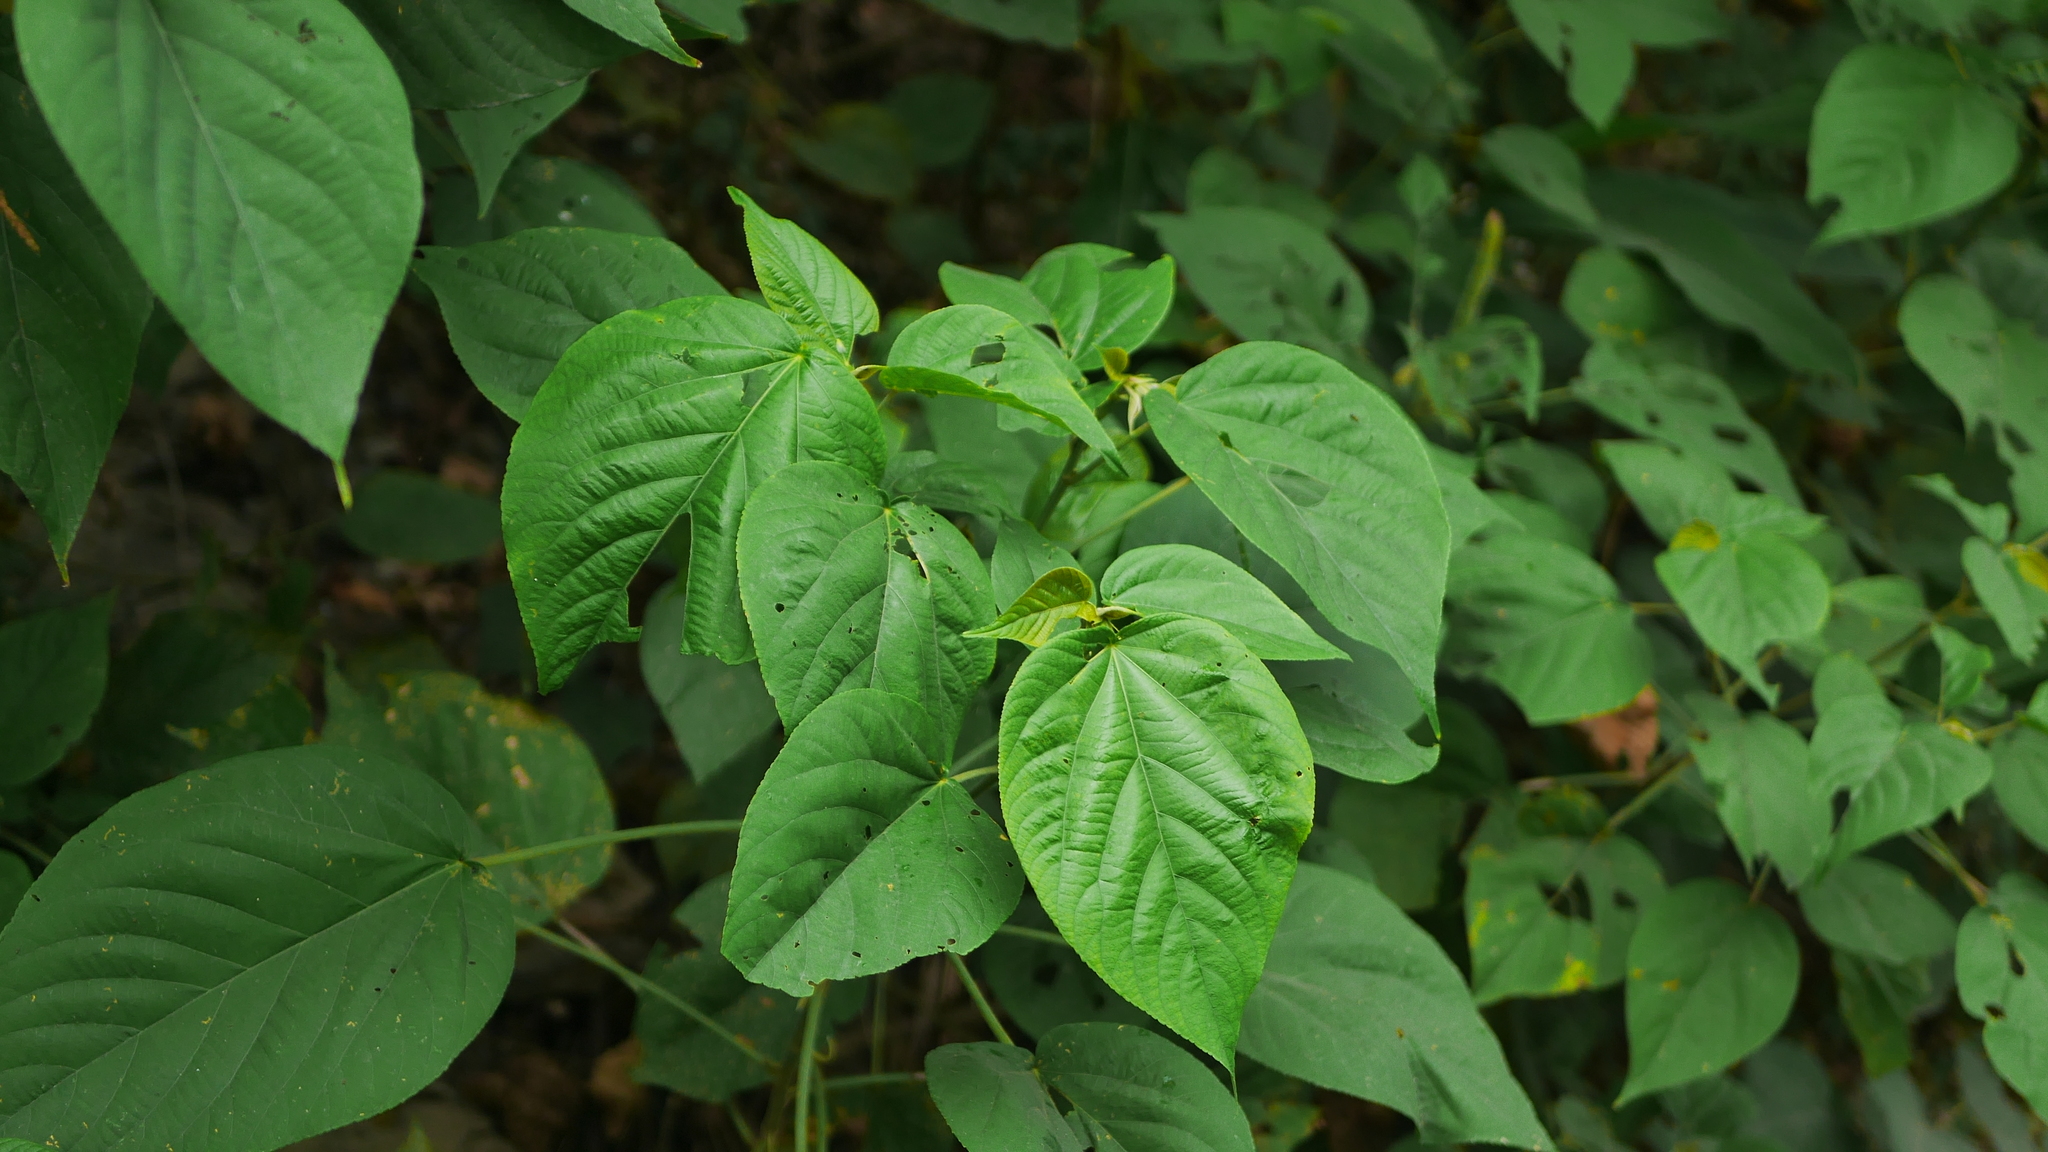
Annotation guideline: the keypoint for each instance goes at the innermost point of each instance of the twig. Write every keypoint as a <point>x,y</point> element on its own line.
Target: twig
<point>1934,847</point>
<point>988,1014</point>
<point>1125,516</point>
<point>842,1083</point>
<point>645,832</point>
<point>807,1065</point>
<point>642,984</point>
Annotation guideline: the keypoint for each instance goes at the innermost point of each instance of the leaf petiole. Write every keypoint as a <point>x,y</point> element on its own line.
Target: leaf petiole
<point>643,985</point>
<point>981,1004</point>
<point>620,836</point>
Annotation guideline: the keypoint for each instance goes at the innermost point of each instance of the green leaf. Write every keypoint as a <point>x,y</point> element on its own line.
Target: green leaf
<point>1101,297</point>
<point>1055,23</point>
<point>14,884</point>
<point>2001,954</point>
<point>1527,942</point>
<point>1022,556</point>
<point>1963,665</point>
<point>858,852</point>
<point>639,21</point>
<point>1903,136</point>
<point>946,114</point>
<point>1767,799</point>
<point>1610,295</point>
<point>316,951</point>
<point>1364,745</point>
<point>412,516</point>
<point>1198,582</point>
<point>685,408</point>
<point>804,282</point>
<point>1268,276</point>
<point>1132,1088</point>
<point>1158,787</point>
<point>1878,1002</point>
<point>492,138</point>
<point>972,350</point>
<point>523,775</point>
<point>964,285</point>
<point>1744,591</point>
<point>1402,833</point>
<point>70,321</point>
<point>1556,633</point>
<point>1059,595</point>
<point>2020,779</point>
<point>1992,521</point>
<point>483,53</point>
<point>1541,167</point>
<point>1859,727</point>
<point>948,485</point>
<point>1711,977</point>
<point>1357,998</point>
<point>1593,41</point>
<point>1668,487</point>
<point>993,1099</point>
<point>268,190</point>
<point>2000,587</point>
<point>681,1055</point>
<point>861,147</point>
<point>539,192</point>
<point>714,710</point>
<point>1688,408</point>
<point>1873,909</point>
<point>514,306</point>
<point>1930,771</point>
<point>1324,474</point>
<point>844,589</point>
<point>53,671</point>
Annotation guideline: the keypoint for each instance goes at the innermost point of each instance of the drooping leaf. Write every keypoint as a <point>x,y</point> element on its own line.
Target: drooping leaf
<point>1768,800</point>
<point>844,589</point>
<point>1525,942</point>
<point>269,192</point>
<point>53,671</point>
<point>1688,408</point>
<point>70,321</point>
<point>1059,595</point>
<point>1903,136</point>
<point>1543,168</point>
<point>492,138</point>
<point>411,516</point>
<point>2001,957</point>
<point>514,306</point>
<point>1930,772</point>
<point>1268,276</point>
<point>1363,745</point>
<point>1357,998</point>
<point>1874,909</point>
<point>1198,582</point>
<point>858,852</point>
<point>316,950</point>
<point>686,408</point>
<point>1593,41</point>
<point>1158,786</point>
<point>524,776</point>
<point>1711,977</point>
<point>805,283</point>
<point>973,350</point>
<point>639,21</point>
<point>714,710</point>
<point>1324,474</point>
<point>993,1099</point>
<point>484,53</point>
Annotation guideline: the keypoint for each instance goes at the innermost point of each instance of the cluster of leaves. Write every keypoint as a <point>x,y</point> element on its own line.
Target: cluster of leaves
<point>1164,608</point>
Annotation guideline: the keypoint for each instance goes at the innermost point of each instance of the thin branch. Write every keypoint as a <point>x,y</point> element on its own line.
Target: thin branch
<point>1038,934</point>
<point>988,1014</point>
<point>642,984</point>
<point>646,832</point>
<point>1939,851</point>
<point>1134,509</point>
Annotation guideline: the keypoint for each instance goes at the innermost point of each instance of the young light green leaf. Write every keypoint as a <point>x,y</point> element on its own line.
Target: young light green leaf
<point>1268,276</point>
<point>1930,772</point>
<point>858,852</point>
<point>993,1099</point>
<point>1593,41</point>
<point>492,138</point>
<point>2020,779</point>
<point>714,710</point>
<point>1668,487</point>
<point>310,902</point>
<point>964,285</point>
<point>1744,591</point>
<point>639,21</point>
<point>269,192</point>
<point>1711,977</point>
<point>844,589</point>
<point>53,671</point>
<point>2001,955</point>
<point>1903,136</point>
<point>523,775</point>
<point>972,350</point>
<point>1524,942</point>
<point>1357,998</point>
<point>1768,800</point>
<point>70,321</point>
<point>1198,582</point>
<point>1964,663</point>
<point>1688,408</point>
<point>1874,909</point>
<point>484,53</point>
<point>1158,786</point>
<point>1348,739</point>
<point>1060,595</point>
<point>1327,476</point>
<point>2000,585</point>
<point>1132,1088</point>
<point>1554,630</point>
<point>514,306</point>
<point>1543,168</point>
<point>686,408</point>
<point>411,516</point>
<point>804,282</point>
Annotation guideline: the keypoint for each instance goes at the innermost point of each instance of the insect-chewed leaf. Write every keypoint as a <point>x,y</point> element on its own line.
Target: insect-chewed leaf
<point>974,350</point>
<point>1061,594</point>
<point>686,408</point>
<point>859,853</point>
<point>1525,942</point>
<point>1158,787</point>
<point>1358,998</point>
<point>247,956</point>
<point>1327,476</point>
<point>804,282</point>
<point>2001,959</point>
<point>1198,582</point>
<point>845,589</point>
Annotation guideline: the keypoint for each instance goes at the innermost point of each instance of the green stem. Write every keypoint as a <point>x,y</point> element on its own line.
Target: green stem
<point>971,773</point>
<point>988,1014</point>
<point>642,984</point>
<point>25,846</point>
<point>1548,396</point>
<point>841,1083</point>
<point>1134,509</point>
<point>342,486</point>
<point>740,1125</point>
<point>807,1066</point>
<point>1485,266</point>
<point>1938,850</point>
<point>645,832</point>
<point>1038,934</point>
<point>880,1024</point>
<point>977,752</point>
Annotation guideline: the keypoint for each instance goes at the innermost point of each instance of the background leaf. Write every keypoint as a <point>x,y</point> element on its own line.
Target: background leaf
<point>2001,951</point>
<point>714,710</point>
<point>53,671</point>
<point>1132,1087</point>
<point>410,516</point>
<point>994,1101</point>
<point>492,138</point>
<point>1874,909</point>
<point>1268,276</point>
<point>484,53</point>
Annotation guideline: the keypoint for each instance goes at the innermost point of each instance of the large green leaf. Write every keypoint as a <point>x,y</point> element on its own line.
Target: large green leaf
<point>246,957</point>
<point>859,853</point>
<point>1131,1088</point>
<point>492,138</point>
<point>974,350</point>
<point>264,180</point>
<point>686,408</point>
<point>1525,941</point>
<point>1768,800</point>
<point>1268,276</point>
<point>53,671</point>
<point>1158,787</point>
<point>1904,136</point>
<point>994,1101</point>
<point>1711,977</point>
<point>1744,590</point>
<point>1874,909</point>
<point>1593,41</point>
<point>804,282</point>
<point>1688,408</point>
<point>640,21</point>
<point>1359,999</point>
<point>1930,772</point>
<point>714,710</point>
<point>845,589</point>
<point>70,319</point>
<point>513,306</point>
<point>484,53</point>
<point>1555,632</point>
<point>1327,476</point>
<point>2001,956</point>
<point>524,776</point>
<point>1183,578</point>
<point>1347,737</point>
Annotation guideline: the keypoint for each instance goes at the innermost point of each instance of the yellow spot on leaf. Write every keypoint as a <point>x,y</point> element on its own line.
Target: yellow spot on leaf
<point>1698,535</point>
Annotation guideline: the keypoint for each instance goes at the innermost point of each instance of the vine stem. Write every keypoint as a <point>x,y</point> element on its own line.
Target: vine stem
<point>1038,934</point>
<point>988,1014</point>
<point>25,845</point>
<point>642,984</point>
<point>1622,815</point>
<point>841,1083</point>
<point>807,1067</point>
<point>1140,506</point>
<point>645,832</point>
<point>1939,851</point>
<point>972,773</point>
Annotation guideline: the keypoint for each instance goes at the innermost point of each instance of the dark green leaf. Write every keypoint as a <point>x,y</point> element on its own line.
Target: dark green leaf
<point>2020,778</point>
<point>861,147</point>
<point>410,516</point>
<point>539,192</point>
<point>483,53</point>
<point>1668,487</point>
<point>492,138</point>
<point>308,902</point>
<point>1132,1088</point>
<point>973,350</point>
<point>945,114</point>
<point>1743,591</point>
<point>1593,41</point>
<point>14,882</point>
<point>1056,23</point>
<point>949,485</point>
<point>994,1101</point>
<point>2001,955</point>
<point>2000,585</point>
<point>804,282</point>
<point>639,21</point>
<point>1527,942</point>
<point>1930,771</point>
<point>685,1058</point>
<point>1543,168</point>
<point>714,710</point>
<point>53,671</point>
<point>1873,909</point>
<point>1364,745</point>
<point>1268,276</point>
<point>1878,1002</point>
<point>1991,521</point>
<point>1688,408</point>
